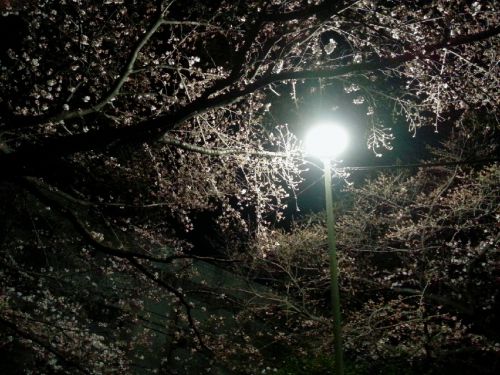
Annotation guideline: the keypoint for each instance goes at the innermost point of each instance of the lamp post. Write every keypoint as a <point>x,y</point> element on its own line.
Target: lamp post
<point>327,141</point>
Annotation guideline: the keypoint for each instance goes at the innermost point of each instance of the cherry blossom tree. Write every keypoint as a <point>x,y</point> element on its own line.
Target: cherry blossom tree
<point>418,263</point>
<point>122,121</point>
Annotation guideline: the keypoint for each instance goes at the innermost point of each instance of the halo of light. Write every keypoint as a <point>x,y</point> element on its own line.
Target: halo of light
<point>326,141</point>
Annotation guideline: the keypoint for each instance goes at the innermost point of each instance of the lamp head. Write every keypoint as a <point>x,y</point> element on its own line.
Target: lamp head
<point>326,141</point>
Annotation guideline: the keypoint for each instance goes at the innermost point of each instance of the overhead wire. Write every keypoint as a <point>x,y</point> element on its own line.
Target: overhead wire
<point>401,166</point>
<point>419,165</point>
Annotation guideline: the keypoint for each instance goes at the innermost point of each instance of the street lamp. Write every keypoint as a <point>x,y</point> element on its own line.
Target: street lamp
<point>326,141</point>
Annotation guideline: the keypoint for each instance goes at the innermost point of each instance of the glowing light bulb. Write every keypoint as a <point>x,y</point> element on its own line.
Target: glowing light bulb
<point>326,141</point>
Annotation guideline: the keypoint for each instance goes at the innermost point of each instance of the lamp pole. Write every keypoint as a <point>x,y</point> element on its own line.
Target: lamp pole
<point>334,271</point>
<point>326,140</point>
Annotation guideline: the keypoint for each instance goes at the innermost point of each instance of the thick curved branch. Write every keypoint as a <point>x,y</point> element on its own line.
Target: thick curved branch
<point>238,63</point>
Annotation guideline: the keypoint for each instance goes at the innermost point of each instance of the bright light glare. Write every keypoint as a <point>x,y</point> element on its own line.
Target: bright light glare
<point>326,141</point>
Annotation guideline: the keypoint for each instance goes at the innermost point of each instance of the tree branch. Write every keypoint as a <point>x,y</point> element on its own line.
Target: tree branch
<point>109,96</point>
<point>55,198</point>
<point>221,151</point>
<point>178,295</point>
